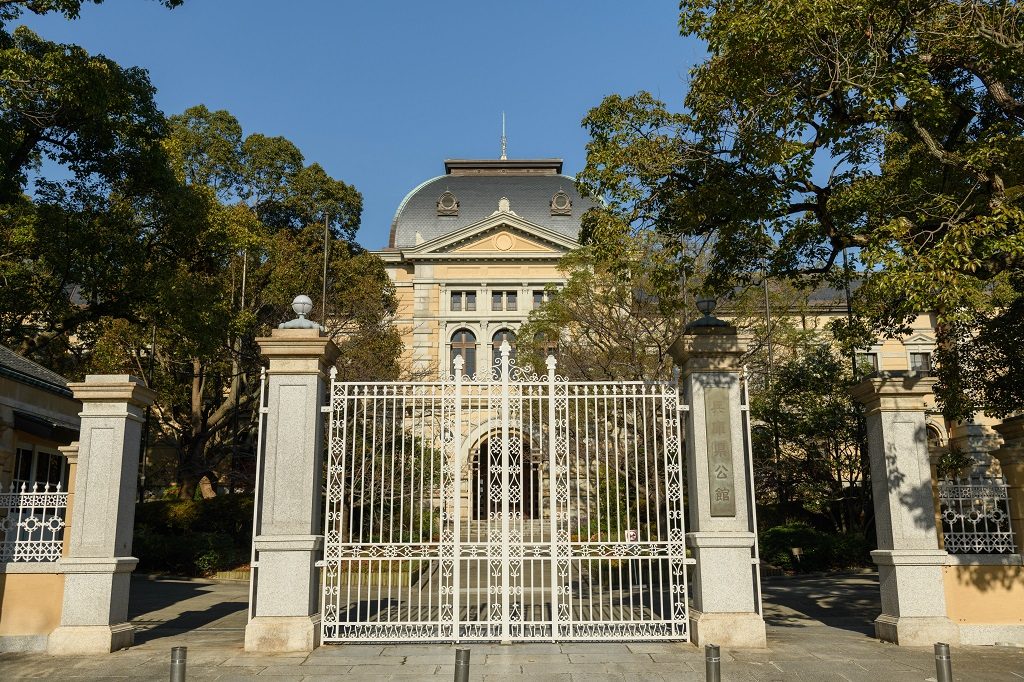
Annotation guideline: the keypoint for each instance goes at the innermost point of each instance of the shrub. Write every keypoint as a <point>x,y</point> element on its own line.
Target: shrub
<point>820,551</point>
<point>193,537</point>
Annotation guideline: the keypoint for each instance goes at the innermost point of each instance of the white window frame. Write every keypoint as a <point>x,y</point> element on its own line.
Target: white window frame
<point>38,450</point>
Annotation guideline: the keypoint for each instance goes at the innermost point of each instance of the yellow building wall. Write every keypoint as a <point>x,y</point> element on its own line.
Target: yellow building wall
<point>30,603</point>
<point>985,594</point>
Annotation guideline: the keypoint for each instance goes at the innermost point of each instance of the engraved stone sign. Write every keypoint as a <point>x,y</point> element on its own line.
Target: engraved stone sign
<point>721,477</point>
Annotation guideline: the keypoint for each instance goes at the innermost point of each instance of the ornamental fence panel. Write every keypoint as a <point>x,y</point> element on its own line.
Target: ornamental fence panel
<point>32,522</point>
<point>975,515</point>
<point>511,507</point>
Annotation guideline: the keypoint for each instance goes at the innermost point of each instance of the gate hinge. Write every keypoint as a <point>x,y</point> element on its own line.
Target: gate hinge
<point>683,407</point>
<point>264,410</point>
<point>320,564</point>
<point>325,408</point>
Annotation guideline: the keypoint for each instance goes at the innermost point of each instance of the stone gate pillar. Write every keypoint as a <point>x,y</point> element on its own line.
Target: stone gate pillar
<point>726,600</point>
<point>287,536</point>
<point>97,564</point>
<point>1011,462</point>
<point>908,556</point>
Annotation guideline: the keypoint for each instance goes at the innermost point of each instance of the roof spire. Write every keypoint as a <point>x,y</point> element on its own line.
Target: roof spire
<point>504,140</point>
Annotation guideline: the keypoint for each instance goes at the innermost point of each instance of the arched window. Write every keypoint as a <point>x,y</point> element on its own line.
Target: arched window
<point>464,344</point>
<point>546,345</point>
<point>500,337</point>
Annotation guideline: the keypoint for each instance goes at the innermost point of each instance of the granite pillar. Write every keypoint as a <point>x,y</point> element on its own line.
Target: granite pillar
<point>726,599</point>
<point>1011,462</point>
<point>98,563</point>
<point>908,556</point>
<point>288,535</point>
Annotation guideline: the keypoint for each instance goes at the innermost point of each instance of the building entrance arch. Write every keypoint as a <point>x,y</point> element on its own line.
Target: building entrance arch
<point>487,458</point>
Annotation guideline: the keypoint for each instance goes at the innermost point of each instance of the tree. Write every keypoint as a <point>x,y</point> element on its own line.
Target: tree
<point>892,130</point>
<point>611,320</point>
<point>90,213</point>
<point>12,9</point>
<point>267,213</point>
<point>807,439</point>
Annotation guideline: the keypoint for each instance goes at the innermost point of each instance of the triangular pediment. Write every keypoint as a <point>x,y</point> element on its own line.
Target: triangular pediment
<point>507,241</point>
<point>919,339</point>
<point>504,235</point>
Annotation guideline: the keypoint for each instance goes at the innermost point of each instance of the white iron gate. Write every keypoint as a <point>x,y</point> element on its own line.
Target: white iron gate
<point>515,507</point>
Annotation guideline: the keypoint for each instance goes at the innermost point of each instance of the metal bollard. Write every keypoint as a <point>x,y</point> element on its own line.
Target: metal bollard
<point>462,665</point>
<point>943,663</point>
<point>712,663</point>
<point>178,656</point>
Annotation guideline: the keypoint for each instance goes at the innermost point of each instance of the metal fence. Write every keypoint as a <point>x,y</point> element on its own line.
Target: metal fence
<point>975,515</point>
<point>511,507</point>
<point>32,521</point>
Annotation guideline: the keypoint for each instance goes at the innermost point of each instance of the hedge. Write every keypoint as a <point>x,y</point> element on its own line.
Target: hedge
<point>820,551</point>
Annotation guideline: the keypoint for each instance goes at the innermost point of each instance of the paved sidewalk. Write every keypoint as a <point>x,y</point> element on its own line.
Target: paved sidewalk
<point>819,629</point>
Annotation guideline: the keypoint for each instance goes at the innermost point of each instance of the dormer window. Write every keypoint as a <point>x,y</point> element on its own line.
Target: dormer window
<point>447,204</point>
<point>561,204</point>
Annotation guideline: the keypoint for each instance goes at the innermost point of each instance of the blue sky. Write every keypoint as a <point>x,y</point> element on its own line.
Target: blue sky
<point>380,93</point>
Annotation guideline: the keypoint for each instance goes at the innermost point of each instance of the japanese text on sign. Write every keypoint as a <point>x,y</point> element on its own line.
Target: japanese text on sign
<point>721,477</point>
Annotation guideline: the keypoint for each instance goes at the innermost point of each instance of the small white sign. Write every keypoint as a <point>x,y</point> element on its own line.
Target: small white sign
<point>632,535</point>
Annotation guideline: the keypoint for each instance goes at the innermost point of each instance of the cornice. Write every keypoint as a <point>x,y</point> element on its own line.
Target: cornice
<point>894,392</point>
<point>113,388</point>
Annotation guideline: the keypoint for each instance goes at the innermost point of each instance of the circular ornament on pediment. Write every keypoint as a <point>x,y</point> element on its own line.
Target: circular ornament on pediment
<point>503,242</point>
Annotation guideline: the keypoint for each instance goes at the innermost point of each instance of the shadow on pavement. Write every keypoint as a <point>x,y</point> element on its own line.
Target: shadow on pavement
<point>846,602</point>
<point>149,594</point>
<point>188,621</point>
<point>166,607</point>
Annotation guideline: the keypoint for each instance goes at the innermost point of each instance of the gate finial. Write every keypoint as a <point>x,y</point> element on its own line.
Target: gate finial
<point>301,304</point>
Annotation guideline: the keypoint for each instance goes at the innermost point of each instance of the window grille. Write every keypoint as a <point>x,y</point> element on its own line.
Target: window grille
<point>32,521</point>
<point>975,515</point>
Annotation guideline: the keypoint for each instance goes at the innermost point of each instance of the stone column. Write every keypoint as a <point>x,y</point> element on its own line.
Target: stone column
<point>908,556</point>
<point>1011,461</point>
<point>726,604</point>
<point>288,534</point>
<point>98,565</point>
<point>70,453</point>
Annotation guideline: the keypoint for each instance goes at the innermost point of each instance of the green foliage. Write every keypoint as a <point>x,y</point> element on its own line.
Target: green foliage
<point>891,129</point>
<point>381,499</point>
<point>107,225</point>
<point>611,319</point>
<point>808,436</point>
<point>12,9</point>
<point>819,551</point>
<point>265,219</point>
<point>193,537</point>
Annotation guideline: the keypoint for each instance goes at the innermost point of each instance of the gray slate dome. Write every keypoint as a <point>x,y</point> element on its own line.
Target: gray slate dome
<point>529,185</point>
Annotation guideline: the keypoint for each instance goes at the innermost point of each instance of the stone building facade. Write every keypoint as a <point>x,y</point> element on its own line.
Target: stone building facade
<point>471,253</point>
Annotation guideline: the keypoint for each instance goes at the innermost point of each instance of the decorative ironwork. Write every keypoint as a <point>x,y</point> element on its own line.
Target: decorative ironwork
<point>32,522</point>
<point>504,506</point>
<point>975,516</point>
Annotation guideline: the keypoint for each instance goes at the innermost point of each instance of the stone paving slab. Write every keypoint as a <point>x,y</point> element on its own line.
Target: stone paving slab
<point>818,629</point>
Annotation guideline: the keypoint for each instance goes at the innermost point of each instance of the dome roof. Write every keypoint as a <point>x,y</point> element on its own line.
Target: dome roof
<point>429,212</point>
